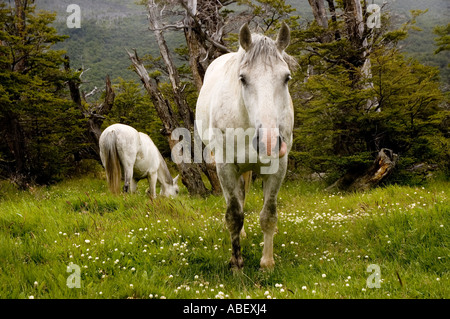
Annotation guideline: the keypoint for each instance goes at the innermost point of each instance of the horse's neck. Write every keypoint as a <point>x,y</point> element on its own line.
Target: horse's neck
<point>164,176</point>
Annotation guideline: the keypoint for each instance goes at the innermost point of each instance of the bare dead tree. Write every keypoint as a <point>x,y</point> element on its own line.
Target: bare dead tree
<point>94,113</point>
<point>356,32</point>
<point>332,8</point>
<point>154,18</point>
<point>319,12</point>
<point>203,29</point>
<point>190,172</point>
<point>199,59</point>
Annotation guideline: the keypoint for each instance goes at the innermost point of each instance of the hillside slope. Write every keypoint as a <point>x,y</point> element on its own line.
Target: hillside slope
<point>108,27</point>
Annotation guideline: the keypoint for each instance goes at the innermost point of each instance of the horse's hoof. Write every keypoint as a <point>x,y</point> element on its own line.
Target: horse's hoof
<point>236,264</point>
<point>267,264</point>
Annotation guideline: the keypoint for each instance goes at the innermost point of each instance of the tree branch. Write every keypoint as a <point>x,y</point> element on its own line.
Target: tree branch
<point>199,29</point>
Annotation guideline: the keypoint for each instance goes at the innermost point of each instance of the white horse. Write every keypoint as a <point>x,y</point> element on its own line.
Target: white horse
<point>124,148</point>
<point>245,90</point>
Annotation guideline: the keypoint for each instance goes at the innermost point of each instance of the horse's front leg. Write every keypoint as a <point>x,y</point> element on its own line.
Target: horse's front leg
<point>234,217</point>
<point>133,185</point>
<point>152,179</point>
<point>268,215</point>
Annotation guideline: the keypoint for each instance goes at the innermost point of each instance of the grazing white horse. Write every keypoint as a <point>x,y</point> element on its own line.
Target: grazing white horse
<point>124,148</point>
<point>245,90</point>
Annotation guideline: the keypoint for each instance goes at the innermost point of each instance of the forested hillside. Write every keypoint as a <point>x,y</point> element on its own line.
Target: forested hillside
<point>110,26</point>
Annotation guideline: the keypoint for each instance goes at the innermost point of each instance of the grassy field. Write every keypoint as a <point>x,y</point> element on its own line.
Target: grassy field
<point>132,247</point>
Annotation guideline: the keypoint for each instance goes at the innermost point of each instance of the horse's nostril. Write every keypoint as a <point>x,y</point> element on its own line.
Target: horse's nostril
<point>260,146</point>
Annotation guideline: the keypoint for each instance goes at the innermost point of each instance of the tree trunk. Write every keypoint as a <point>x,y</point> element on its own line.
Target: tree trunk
<point>332,8</point>
<point>196,55</point>
<point>15,139</point>
<point>183,108</point>
<point>382,166</point>
<point>185,112</point>
<point>356,29</point>
<point>354,20</point>
<point>319,12</point>
<point>95,114</point>
<point>203,25</point>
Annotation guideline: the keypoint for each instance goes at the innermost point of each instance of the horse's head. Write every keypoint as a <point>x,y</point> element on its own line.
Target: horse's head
<point>264,75</point>
<point>171,189</point>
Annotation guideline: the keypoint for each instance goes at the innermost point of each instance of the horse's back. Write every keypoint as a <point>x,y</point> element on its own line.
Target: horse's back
<point>117,145</point>
<point>126,139</point>
<point>122,132</point>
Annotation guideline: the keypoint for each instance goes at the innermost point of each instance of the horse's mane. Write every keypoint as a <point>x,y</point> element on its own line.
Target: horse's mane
<point>264,49</point>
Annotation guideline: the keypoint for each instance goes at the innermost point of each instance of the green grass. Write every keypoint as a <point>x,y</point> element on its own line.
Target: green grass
<point>132,247</point>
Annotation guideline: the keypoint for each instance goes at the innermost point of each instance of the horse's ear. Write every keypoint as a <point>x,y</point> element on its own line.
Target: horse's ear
<point>175,180</point>
<point>245,37</point>
<point>284,37</point>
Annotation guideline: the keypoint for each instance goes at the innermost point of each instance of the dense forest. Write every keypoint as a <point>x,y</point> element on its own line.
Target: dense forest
<point>356,95</point>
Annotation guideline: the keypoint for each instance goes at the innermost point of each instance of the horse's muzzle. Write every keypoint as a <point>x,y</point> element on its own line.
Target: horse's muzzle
<point>264,146</point>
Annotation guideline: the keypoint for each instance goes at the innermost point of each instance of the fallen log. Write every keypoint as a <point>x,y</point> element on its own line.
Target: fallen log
<point>382,166</point>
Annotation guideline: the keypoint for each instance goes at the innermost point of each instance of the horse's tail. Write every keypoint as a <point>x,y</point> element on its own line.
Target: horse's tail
<point>247,182</point>
<point>111,162</point>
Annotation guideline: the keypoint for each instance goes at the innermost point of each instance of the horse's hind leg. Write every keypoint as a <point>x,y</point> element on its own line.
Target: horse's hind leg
<point>127,176</point>
<point>234,217</point>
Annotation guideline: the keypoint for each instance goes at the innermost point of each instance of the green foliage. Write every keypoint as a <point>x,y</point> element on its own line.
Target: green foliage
<point>40,125</point>
<point>268,13</point>
<point>338,131</point>
<point>443,39</point>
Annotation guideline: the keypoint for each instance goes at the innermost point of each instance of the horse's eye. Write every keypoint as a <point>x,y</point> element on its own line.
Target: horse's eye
<point>288,77</point>
<point>242,79</point>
